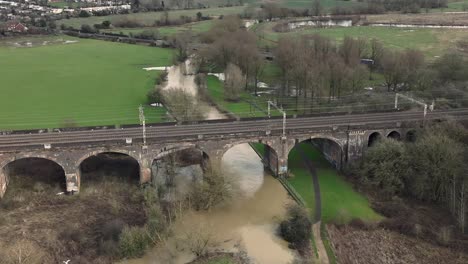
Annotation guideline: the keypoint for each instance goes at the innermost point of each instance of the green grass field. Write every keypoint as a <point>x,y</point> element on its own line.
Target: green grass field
<point>339,200</point>
<point>241,108</point>
<point>149,18</point>
<point>89,83</point>
<point>453,6</point>
<point>433,42</point>
<point>196,27</point>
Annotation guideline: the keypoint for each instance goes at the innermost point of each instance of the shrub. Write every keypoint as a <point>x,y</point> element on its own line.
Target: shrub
<point>297,228</point>
<point>83,13</point>
<point>72,233</point>
<point>87,29</point>
<point>154,96</point>
<point>127,23</point>
<point>23,251</point>
<point>213,191</point>
<point>112,230</point>
<point>133,242</point>
<point>148,34</point>
<point>106,24</point>
<point>109,248</point>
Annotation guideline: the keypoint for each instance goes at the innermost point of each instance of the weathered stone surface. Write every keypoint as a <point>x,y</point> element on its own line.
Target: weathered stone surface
<point>350,145</point>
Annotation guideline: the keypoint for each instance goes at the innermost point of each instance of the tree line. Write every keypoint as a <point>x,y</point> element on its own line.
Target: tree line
<point>433,168</point>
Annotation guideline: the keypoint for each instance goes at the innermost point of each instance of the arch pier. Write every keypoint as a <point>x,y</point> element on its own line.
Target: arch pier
<point>340,145</point>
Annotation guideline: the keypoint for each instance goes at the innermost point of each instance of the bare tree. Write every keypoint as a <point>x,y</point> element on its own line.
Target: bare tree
<point>316,8</point>
<point>183,105</point>
<point>181,42</point>
<point>234,83</point>
<point>376,53</point>
<point>199,240</point>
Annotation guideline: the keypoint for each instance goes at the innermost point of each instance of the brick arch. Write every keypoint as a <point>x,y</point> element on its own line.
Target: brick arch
<point>136,157</point>
<point>339,161</point>
<point>5,162</point>
<point>101,151</point>
<point>268,142</point>
<point>11,159</point>
<point>175,148</point>
<point>373,137</point>
<point>394,134</point>
<point>272,158</point>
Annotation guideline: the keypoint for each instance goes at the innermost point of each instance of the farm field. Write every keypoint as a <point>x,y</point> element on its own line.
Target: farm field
<point>196,27</point>
<point>432,42</point>
<point>339,200</point>
<point>149,18</point>
<point>437,18</point>
<point>326,4</point>
<point>66,81</point>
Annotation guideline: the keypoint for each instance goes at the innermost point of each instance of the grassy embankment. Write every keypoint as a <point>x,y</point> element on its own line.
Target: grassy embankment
<point>241,108</point>
<point>195,27</point>
<point>340,202</point>
<point>148,18</point>
<point>85,83</point>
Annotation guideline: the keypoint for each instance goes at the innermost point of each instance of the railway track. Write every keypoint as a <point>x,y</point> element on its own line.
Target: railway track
<point>220,128</point>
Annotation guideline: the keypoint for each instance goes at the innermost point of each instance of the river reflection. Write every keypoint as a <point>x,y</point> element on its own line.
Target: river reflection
<point>248,224</point>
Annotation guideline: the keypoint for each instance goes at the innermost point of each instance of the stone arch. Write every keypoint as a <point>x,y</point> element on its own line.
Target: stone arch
<point>373,138</point>
<point>331,148</point>
<point>142,170</point>
<point>394,135</point>
<point>269,154</point>
<point>4,178</point>
<point>176,148</point>
<point>176,167</point>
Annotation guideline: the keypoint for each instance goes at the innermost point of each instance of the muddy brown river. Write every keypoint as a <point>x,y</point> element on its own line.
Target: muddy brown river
<point>249,223</point>
<point>182,76</point>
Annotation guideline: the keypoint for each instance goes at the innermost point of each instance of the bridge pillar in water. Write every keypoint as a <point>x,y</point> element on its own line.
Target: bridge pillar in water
<point>270,160</point>
<point>284,146</point>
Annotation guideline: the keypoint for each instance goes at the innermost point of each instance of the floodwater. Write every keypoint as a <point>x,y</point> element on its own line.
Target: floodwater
<point>249,223</point>
<point>317,23</point>
<point>182,76</point>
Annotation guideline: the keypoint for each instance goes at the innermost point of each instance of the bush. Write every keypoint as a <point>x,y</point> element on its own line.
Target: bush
<point>109,248</point>
<point>154,96</point>
<point>133,242</point>
<point>148,34</point>
<point>112,230</point>
<point>214,190</point>
<point>83,13</point>
<point>127,23</point>
<point>297,229</point>
<point>87,29</point>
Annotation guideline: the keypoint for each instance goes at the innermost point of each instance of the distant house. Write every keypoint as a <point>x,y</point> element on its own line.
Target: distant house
<point>16,27</point>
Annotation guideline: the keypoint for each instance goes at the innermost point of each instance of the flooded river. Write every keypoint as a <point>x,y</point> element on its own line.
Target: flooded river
<point>182,76</point>
<point>249,223</point>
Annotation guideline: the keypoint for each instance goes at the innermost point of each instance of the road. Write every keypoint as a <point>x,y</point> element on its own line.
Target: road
<point>166,132</point>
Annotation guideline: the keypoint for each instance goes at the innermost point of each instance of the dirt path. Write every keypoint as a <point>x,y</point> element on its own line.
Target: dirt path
<point>322,253</point>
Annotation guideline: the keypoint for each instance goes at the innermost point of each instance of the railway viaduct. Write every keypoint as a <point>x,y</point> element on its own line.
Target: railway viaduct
<point>342,139</point>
